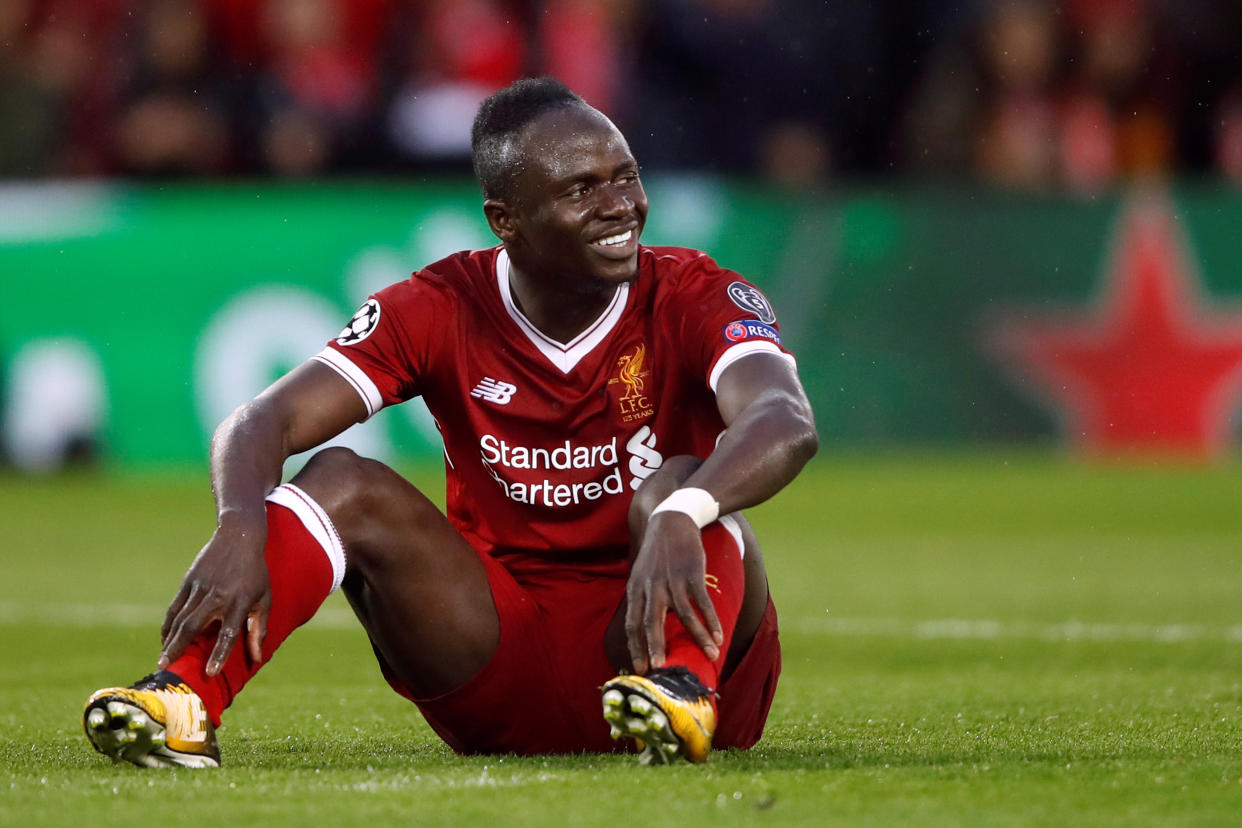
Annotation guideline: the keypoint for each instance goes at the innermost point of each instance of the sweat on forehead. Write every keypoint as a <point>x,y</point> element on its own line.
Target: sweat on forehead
<point>503,117</point>
<point>544,134</point>
<point>553,141</point>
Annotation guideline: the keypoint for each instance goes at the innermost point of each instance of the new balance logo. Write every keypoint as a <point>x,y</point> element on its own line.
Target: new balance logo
<point>494,391</point>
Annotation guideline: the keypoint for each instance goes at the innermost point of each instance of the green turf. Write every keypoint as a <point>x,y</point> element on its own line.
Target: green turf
<point>982,639</point>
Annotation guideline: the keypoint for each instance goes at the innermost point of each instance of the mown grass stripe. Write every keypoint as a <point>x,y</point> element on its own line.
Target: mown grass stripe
<point>992,629</point>
<point>14,613</point>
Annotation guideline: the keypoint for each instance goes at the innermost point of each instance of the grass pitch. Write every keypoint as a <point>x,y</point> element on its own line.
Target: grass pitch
<point>981,639</point>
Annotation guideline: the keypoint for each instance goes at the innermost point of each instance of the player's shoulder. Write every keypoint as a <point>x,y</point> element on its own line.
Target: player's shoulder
<point>465,265</point>
<point>456,276</point>
<point>684,268</point>
<point>668,258</point>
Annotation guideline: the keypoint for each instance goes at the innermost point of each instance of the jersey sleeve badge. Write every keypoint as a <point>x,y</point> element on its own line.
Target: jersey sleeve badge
<point>750,298</point>
<point>746,330</point>
<point>362,325</point>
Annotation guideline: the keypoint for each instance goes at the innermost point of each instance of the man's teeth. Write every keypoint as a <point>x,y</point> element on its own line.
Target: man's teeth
<point>619,239</point>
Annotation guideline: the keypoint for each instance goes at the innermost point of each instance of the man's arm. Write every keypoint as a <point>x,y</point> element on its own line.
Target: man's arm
<point>770,433</point>
<point>227,583</point>
<point>770,436</point>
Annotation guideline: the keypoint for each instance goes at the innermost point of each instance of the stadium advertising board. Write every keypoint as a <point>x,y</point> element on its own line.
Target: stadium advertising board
<point>142,316</point>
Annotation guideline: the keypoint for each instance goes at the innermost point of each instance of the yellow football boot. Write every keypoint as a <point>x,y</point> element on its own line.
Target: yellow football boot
<point>158,722</point>
<point>668,712</point>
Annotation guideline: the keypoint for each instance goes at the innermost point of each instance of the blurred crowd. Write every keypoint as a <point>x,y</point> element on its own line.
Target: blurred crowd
<point>1029,94</point>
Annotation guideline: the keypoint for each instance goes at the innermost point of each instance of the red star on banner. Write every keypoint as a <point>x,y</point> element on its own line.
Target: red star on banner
<point>1150,368</point>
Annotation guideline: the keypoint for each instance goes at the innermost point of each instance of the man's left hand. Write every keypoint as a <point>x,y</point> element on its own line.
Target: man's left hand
<point>669,573</point>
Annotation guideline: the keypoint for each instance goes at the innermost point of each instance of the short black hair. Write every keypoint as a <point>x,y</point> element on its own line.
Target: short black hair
<point>501,117</point>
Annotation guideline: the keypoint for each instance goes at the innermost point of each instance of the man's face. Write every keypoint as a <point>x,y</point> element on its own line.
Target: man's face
<point>578,204</point>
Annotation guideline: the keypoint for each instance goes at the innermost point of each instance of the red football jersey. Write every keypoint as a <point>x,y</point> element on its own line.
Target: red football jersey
<point>545,442</point>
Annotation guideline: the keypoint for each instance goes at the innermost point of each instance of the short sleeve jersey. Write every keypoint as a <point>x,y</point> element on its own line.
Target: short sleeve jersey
<point>545,442</point>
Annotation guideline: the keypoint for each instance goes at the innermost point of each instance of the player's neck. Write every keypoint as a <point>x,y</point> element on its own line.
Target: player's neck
<point>560,314</point>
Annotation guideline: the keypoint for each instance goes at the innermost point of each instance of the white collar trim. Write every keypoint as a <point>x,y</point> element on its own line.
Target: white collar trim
<point>568,354</point>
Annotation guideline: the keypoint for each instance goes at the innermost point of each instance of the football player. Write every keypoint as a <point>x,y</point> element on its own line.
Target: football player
<point>607,410</point>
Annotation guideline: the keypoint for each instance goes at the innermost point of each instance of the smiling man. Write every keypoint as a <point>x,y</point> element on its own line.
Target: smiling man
<point>607,410</point>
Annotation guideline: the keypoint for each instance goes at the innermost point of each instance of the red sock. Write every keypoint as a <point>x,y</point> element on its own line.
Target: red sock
<point>726,583</point>
<point>305,563</point>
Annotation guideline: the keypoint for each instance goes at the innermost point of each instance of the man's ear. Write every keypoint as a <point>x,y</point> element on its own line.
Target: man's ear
<point>502,218</point>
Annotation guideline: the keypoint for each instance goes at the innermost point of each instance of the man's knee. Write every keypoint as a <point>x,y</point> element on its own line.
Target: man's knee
<point>362,496</point>
<point>337,476</point>
<point>330,460</point>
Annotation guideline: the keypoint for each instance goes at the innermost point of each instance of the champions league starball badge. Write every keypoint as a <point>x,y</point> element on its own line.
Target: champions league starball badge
<point>749,298</point>
<point>364,323</point>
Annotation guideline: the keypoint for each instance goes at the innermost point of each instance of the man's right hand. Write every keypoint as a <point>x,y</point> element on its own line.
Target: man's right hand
<point>227,585</point>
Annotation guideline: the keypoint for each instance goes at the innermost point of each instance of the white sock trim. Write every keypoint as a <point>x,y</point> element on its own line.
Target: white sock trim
<point>729,522</point>
<point>317,522</point>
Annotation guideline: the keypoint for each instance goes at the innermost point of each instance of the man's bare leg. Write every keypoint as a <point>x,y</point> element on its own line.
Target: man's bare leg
<point>417,586</point>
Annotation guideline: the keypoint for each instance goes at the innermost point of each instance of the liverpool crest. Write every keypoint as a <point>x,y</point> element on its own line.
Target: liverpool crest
<point>632,375</point>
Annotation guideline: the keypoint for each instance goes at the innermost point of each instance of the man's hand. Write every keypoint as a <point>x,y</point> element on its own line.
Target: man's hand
<point>669,572</point>
<point>228,584</point>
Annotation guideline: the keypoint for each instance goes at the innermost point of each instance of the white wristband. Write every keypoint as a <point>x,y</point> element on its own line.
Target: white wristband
<point>697,503</point>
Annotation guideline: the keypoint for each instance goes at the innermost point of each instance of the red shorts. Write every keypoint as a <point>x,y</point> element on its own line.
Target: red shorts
<point>539,693</point>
